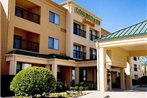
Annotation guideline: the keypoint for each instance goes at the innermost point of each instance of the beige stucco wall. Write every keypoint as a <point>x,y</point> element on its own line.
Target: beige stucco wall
<point>3,31</point>
<point>139,71</point>
<point>104,32</point>
<point>118,57</point>
<point>72,17</point>
<point>45,29</point>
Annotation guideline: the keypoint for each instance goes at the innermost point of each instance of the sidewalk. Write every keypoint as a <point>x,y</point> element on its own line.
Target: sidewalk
<point>114,94</point>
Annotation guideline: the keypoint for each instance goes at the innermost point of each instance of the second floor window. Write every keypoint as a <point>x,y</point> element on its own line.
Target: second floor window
<point>93,54</point>
<point>53,43</point>
<point>54,18</point>
<point>17,42</point>
<point>78,52</point>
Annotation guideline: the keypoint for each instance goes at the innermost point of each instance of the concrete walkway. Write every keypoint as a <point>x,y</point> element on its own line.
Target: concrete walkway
<point>116,94</point>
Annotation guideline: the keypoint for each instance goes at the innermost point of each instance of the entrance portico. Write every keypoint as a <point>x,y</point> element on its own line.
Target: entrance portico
<point>115,50</point>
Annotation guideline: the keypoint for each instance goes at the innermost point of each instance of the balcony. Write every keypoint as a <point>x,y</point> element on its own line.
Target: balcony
<point>93,57</point>
<point>79,54</point>
<point>93,37</point>
<point>25,45</point>
<point>26,14</point>
<point>79,32</point>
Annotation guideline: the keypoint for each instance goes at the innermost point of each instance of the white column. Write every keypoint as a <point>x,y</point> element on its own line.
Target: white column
<point>97,67</point>
<point>76,75</point>
<point>122,79</point>
<point>13,65</point>
<point>102,72</point>
<point>54,70</point>
<point>128,76</point>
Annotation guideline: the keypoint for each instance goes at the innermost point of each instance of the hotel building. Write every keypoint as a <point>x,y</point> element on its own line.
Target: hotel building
<point>136,68</point>
<point>45,34</point>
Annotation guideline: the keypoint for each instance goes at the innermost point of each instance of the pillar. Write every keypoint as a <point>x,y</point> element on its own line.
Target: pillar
<point>69,32</point>
<point>87,28</point>
<point>87,52</point>
<point>122,79</point>
<point>128,76</point>
<point>76,75</point>
<point>110,82</point>
<point>13,65</point>
<point>102,72</point>
<point>54,70</point>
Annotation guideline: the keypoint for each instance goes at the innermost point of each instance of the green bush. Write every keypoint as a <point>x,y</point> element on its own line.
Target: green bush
<point>33,81</point>
<point>142,80</point>
<point>84,86</point>
<point>61,87</point>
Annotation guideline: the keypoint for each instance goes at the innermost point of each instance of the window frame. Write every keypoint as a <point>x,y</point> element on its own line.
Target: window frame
<point>53,43</point>
<point>54,17</point>
<point>135,67</point>
<point>17,38</point>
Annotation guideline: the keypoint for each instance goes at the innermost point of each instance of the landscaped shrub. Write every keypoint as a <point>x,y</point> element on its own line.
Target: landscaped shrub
<point>142,80</point>
<point>61,87</point>
<point>32,81</point>
<point>84,86</point>
<point>134,82</point>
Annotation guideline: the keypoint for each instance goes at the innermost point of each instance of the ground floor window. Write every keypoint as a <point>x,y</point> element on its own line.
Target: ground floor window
<point>83,75</point>
<point>21,66</point>
<point>136,77</point>
<point>59,74</point>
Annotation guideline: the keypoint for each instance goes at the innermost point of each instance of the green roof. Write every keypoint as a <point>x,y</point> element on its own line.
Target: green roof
<point>134,30</point>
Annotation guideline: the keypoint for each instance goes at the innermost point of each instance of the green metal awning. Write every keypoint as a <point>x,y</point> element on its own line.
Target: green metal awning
<point>134,30</point>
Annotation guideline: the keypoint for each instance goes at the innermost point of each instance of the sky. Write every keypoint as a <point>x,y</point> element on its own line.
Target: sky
<point>115,14</point>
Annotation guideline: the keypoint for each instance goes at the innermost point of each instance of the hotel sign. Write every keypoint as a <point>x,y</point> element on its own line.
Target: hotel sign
<point>87,16</point>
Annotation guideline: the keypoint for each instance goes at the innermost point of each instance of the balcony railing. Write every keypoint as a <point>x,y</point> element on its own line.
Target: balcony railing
<point>93,56</point>
<point>79,32</point>
<point>23,13</point>
<point>93,37</point>
<point>27,45</point>
<point>79,54</point>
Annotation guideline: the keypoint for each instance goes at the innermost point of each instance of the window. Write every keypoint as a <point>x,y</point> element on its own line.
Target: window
<point>78,30</point>
<point>92,54</point>
<point>53,43</point>
<point>21,66</point>
<point>136,77</point>
<point>73,74</point>
<point>135,67</point>
<point>17,42</point>
<point>135,58</point>
<point>59,73</point>
<point>83,75</point>
<point>54,18</point>
<point>19,12</point>
<point>78,52</point>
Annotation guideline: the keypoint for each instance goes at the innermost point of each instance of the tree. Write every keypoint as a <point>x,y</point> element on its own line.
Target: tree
<point>143,60</point>
<point>33,81</point>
